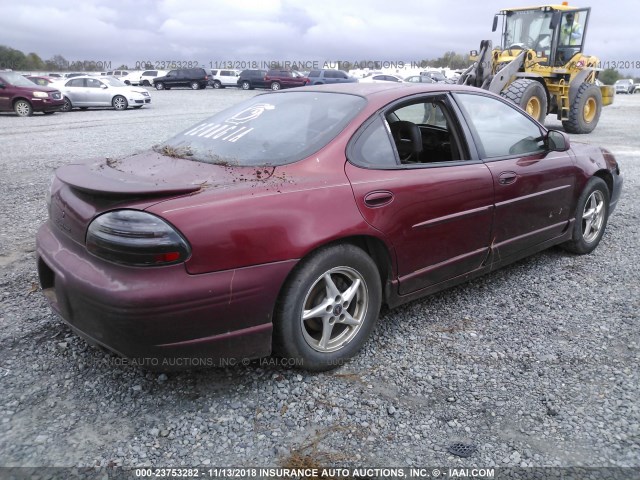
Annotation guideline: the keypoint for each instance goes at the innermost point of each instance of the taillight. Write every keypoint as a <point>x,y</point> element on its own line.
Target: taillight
<point>133,237</point>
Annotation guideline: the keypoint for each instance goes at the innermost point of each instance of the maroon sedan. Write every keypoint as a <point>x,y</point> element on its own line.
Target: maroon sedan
<point>282,224</point>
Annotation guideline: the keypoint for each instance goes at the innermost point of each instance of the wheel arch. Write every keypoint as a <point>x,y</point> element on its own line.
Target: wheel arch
<point>17,99</point>
<point>608,179</point>
<point>372,246</point>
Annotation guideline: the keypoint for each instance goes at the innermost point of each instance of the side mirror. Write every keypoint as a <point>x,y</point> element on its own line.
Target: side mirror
<point>557,141</point>
<point>495,23</point>
<point>555,20</point>
<point>103,86</point>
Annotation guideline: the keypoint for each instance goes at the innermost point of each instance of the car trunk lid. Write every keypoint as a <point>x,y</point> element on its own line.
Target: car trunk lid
<point>81,191</point>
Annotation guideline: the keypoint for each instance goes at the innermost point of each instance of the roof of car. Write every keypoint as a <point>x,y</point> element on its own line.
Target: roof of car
<point>368,89</point>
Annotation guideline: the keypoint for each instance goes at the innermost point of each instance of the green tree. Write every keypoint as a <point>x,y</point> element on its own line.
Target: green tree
<point>609,76</point>
<point>33,62</point>
<point>57,62</point>
<point>11,58</point>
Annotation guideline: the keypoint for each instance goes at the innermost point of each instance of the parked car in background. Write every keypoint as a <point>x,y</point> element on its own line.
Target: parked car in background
<point>90,91</point>
<point>277,79</point>
<point>144,78</point>
<point>24,97</point>
<point>328,77</point>
<point>221,78</point>
<point>624,85</point>
<point>194,78</point>
<point>117,73</point>
<point>250,79</point>
<point>419,79</point>
<point>131,78</point>
<point>434,75</point>
<point>381,78</point>
<point>41,80</point>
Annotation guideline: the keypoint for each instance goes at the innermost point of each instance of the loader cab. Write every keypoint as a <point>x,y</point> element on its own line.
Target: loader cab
<point>556,34</point>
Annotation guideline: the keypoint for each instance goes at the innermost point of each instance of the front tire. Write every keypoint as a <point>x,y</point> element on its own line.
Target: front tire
<point>327,308</point>
<point>23,108</point>
<point>585,111</point>
<point>119,102</point>
<point>592,214</point>
<point>159,86</point>
<point>275,86</point>
<point>246,85</point>
<point>530,96</point>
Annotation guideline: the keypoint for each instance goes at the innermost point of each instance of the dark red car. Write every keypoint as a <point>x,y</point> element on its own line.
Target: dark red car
<point>283,223</point>
<point>278,79</point>
<point>24,97</point>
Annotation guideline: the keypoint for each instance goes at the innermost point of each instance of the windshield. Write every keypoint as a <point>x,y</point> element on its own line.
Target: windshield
<point>16,79</point>
<point>271,129</point>
<point>527,29</point>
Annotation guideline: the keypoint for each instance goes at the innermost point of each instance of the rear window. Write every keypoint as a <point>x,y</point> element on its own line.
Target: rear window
<point>314,73</point>
<point>272,129</point>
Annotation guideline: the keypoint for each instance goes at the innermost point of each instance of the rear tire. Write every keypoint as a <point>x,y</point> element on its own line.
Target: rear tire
<point>584,113</point>
<point>592,214</point>
<point>529,95</point>
<point>195,86</point>
<point>275,86</point>
<point>217,84</point>
<point>327,308</point>
<point>67,105</point>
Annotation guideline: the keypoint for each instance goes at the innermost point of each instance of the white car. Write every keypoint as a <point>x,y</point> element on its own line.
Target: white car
<point>86,91</point>
<point>224,78</point>
<point>381,78</point>
<point>144,78</point>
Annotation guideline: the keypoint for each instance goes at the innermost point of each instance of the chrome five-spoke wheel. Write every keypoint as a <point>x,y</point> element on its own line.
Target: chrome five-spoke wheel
<point>334,309</point>
<point>328,307</point>
<point>593,216</point>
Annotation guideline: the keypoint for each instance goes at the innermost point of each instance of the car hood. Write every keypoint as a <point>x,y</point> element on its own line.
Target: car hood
<point>39,88</point>
<point>129,89</point>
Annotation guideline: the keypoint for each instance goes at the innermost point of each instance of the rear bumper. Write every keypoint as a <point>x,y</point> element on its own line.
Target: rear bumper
<point>160,318</point>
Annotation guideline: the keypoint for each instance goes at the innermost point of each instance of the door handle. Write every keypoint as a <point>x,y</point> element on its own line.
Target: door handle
<point>507,178</point>
<point>378,198</point>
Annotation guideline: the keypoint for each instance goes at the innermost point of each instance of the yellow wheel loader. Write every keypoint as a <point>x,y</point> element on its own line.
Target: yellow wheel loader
<point>540,66</point>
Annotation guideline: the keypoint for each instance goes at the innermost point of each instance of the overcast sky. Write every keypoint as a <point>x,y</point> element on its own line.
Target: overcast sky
<point>123,31</point>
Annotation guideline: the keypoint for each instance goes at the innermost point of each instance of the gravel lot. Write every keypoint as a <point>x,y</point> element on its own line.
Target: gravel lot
<point>535,364</point>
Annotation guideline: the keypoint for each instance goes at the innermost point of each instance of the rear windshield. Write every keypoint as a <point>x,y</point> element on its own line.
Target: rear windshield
<point>271,129</point>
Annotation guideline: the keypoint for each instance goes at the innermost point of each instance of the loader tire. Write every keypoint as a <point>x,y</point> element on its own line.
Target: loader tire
<point>529,95</point>
<point>585,110</point>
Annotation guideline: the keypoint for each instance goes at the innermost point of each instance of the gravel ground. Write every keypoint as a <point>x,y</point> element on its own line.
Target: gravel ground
<point>535,364</point>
